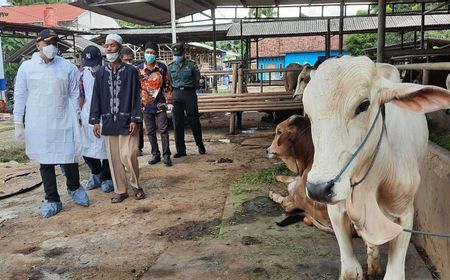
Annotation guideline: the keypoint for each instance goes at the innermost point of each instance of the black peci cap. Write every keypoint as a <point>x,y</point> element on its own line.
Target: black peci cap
<point>151,45</point>
<point>92,56</point>
<point>177,48</point>
<point>46,35</point>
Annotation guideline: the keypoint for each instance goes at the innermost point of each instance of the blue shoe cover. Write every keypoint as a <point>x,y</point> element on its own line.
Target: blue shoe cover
<point>49,209</point>
<point>80,196</point>
<point>107,186</point>
<point>94,182</point>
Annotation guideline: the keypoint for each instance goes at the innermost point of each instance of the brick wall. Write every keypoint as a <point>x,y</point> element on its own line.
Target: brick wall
<point>283,45</point>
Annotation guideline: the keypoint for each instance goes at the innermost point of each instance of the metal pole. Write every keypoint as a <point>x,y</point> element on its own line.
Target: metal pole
<point>402,33</point>
<point>422,27</point>
<point>173,21</point>
<point>341,28</point>
<point>213,15</point>
<point>381,29</point>
<point>328,40</point>
<point>242,43</point>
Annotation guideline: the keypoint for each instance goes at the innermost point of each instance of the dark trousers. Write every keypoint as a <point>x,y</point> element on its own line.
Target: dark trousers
<point>153,122</point>
<point>141,136</point>
<point>98,166</point>
<point>186,100</point>
<point>49,180</point>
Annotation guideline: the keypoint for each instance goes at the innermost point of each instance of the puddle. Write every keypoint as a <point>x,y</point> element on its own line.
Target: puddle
<point>260,206</point>
<point>191,230</point>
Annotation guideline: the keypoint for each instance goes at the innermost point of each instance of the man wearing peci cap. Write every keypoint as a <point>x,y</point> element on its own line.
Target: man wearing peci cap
<point>94,149</point>
<point>115,113</point>
<point>185,77</point>
<point>47,86</point>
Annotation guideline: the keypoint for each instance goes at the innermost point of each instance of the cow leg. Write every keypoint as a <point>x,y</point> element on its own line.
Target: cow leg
<point>350,267</point>
<point>373,261</point>
<point>398,247</point>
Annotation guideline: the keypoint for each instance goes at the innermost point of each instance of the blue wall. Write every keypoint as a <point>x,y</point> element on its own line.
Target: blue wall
<point>274,62</point>
<point>295,57</point>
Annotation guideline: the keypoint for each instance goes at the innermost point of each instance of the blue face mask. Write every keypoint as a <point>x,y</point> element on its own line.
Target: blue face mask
<point>149,58</point>
<point>178,58</point>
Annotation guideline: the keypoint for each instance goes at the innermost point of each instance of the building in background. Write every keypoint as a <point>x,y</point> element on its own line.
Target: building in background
<point>280,52</point>
<point>63,15</point>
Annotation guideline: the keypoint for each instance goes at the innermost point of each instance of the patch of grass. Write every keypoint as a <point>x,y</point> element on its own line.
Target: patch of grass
<point>8,128</point>
<point>441,138</point>
<point>266,176</point>
<point>235,190</point>
<point>13,153</point>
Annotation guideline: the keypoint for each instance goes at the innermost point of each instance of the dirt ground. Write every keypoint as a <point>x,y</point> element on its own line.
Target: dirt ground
<point>194,224</point>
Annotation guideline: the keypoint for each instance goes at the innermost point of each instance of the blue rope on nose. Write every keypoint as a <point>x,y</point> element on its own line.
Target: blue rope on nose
<point>355,154</point>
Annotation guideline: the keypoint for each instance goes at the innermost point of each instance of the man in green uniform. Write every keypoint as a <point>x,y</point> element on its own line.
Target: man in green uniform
<point>185,77</point>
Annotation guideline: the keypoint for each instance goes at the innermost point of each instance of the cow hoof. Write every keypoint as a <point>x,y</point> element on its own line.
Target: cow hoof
<point>352,273</point>
<point>307,221</point>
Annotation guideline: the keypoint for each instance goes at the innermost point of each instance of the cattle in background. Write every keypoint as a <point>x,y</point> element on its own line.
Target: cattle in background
<point>302,81</point>
<point>290,78</point>
<point>293,144</point>
<point>369,134</point>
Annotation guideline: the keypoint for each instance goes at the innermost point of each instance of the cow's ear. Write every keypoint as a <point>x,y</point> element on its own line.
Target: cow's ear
<point>312,73</point>
<point>414,97</point>
<point>283,138</point>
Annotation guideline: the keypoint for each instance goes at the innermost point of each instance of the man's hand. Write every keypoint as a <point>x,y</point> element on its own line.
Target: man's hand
<point>19,131</point>
<point>97,130</point>
<point>133,128</point>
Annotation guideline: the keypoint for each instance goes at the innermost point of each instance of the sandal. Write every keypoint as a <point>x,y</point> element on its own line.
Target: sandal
<point>139,194</point>
<point>119,197</point>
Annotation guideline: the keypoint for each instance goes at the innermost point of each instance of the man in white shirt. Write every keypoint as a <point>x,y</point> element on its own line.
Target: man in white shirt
<point>47,86</point>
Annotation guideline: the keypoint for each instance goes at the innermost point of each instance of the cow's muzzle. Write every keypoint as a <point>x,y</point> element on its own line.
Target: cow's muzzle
<point>322,192</point>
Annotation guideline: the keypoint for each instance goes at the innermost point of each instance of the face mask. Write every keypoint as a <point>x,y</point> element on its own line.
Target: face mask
<point>149,58</point>
<point>50,51</point>
<point>127,62</point>
<point>94,68</point>
<point>178,58</point>
<point>111,57</point>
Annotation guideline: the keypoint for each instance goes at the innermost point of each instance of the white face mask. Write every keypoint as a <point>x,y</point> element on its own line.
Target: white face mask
<point>94,68</point>
<point>50,51</point>
<point>111,57</point>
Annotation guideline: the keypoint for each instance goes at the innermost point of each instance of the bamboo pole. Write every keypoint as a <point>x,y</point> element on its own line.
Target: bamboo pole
<point>234,110</point>
<point>212,96</point>
<point>425,66</point>
<point>244,99</point>
<point>216,104</point>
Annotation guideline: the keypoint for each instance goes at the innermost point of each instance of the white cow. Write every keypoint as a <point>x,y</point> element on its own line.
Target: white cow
<point>367,171</point>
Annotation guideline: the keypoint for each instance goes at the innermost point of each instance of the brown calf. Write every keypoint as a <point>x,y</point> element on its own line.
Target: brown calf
<point>293,145</point>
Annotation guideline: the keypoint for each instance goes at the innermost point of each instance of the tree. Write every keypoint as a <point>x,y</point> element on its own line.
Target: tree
<point>262,12</point>
<point>10,45</point>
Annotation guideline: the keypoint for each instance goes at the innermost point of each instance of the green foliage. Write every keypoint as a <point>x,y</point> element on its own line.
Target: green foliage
<point>266,176</point>
<point>10,45</point>
<point>126,24</point>
<point>356,43</point>
<point>230,45</point>
<point>442,139</point>
<point>13,153</point>
<point>262,12</point>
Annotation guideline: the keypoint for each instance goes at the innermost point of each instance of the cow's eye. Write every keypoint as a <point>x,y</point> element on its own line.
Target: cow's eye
<point>362,107</point>
<point>279,132</point>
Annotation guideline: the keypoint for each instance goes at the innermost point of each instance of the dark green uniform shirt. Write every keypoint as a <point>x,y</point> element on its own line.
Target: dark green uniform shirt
<point>185,74</point>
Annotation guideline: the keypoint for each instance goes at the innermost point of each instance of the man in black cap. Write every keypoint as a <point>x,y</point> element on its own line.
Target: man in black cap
<point>47,86</point>
<point>94,149</point>
<point>185,78</point>
<point>156,91</point>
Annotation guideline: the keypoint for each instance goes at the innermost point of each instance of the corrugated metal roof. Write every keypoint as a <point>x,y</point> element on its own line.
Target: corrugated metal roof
<point>150,12</point>
<point>164,35</point>
<point>351,25</point>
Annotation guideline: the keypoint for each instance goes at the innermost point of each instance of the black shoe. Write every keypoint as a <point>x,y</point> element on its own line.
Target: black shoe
<point>202,150</point>
<point>154,160</point>
<point>179,154</point>
<point>167,161</point>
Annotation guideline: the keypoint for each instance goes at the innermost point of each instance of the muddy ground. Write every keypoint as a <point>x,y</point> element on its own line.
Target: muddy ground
<point>196,223</point>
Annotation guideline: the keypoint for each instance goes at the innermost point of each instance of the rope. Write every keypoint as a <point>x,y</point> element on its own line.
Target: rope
<point>338,177</point>
<point>441,234</point>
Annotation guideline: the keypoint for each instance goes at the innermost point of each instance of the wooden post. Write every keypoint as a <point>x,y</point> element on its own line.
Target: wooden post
<point>234,75</point>
<point>240,86</point>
